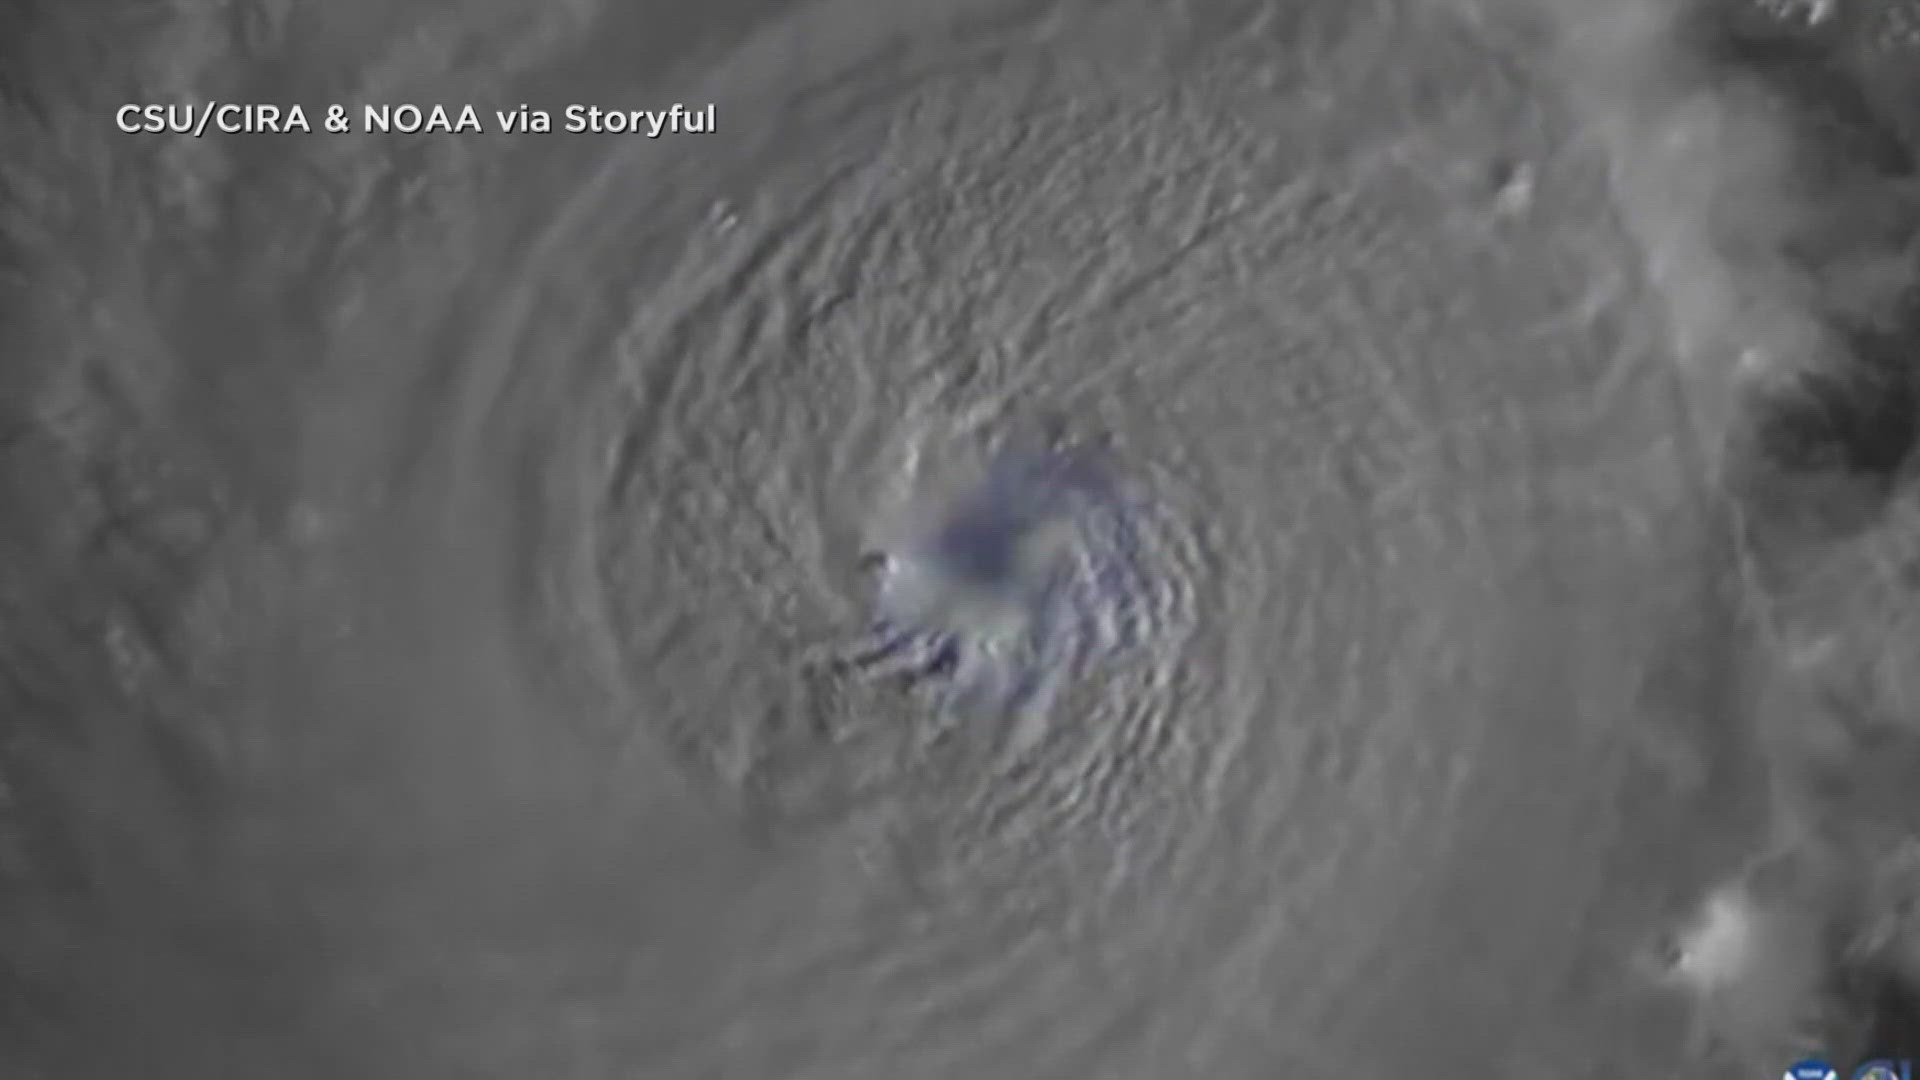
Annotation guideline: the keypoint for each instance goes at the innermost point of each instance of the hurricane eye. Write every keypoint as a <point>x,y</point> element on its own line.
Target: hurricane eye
<point>982,550</point>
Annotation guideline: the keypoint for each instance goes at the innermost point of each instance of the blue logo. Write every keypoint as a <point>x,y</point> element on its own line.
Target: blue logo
<point>1811,1069</point>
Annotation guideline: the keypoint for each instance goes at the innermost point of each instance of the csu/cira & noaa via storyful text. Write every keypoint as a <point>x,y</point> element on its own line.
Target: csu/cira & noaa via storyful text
<point>235,118</point>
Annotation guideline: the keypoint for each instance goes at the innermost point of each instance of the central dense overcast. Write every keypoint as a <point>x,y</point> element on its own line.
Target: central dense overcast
<point>1097,540</point>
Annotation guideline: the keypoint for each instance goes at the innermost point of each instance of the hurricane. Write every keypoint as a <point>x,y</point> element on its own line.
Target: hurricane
<point>1074,540</point>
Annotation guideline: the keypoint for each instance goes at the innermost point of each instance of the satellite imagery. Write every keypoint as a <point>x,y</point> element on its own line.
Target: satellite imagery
<point>959,539</point>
